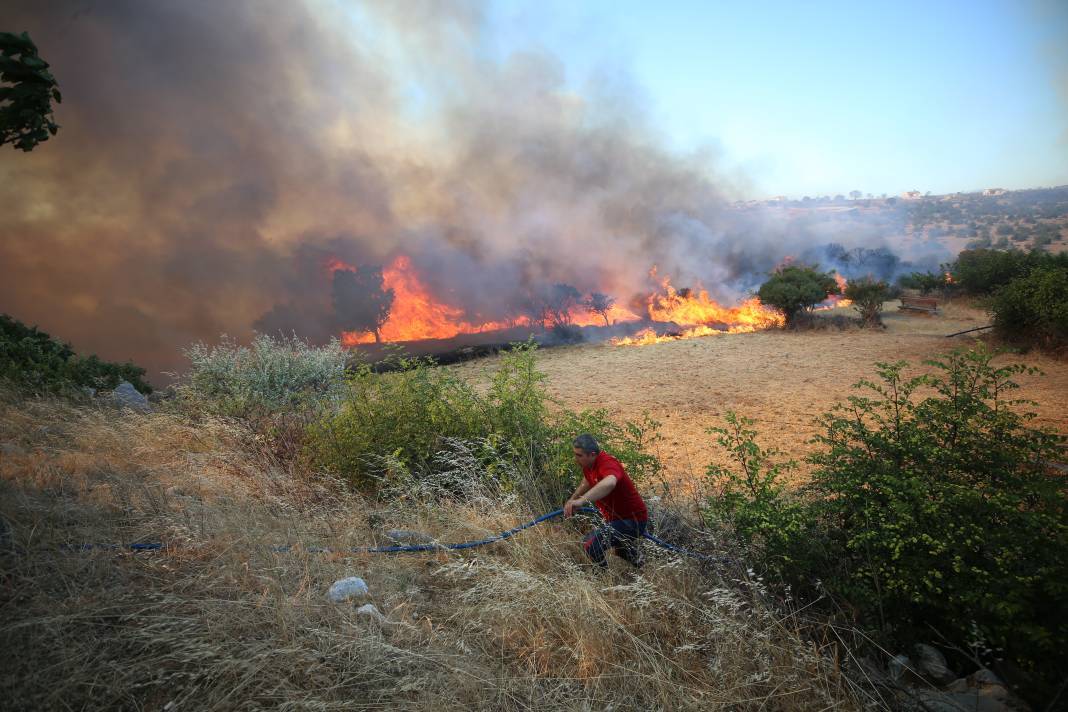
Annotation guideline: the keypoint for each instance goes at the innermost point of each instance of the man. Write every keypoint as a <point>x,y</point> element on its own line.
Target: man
<point>606,484</point>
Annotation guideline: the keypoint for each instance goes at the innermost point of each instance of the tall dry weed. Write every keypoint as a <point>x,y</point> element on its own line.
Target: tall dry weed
<point>220,620</point>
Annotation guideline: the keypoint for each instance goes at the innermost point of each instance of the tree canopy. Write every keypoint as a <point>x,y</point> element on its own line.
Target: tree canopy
<point>27,90</point>
<point>794,289</point>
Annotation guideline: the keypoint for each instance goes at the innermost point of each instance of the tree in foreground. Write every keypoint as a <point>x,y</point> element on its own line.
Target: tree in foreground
<point>27,90</point>
<point>868,295</point>
<point>598,303</point>
<point>794,289</point>
<point>361,303</point>
<point>932,511</point>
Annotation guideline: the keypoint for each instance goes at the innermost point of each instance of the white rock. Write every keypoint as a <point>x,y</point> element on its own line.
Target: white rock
<point>369,610</point>
<point>346,589</point>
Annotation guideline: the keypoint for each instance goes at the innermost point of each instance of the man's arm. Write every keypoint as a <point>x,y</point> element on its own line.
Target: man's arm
<point>591,494</point>
<point>582,489</point>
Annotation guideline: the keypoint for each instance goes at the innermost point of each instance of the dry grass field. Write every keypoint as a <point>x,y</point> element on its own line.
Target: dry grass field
<point>221,621</point>
<point>779,379</point>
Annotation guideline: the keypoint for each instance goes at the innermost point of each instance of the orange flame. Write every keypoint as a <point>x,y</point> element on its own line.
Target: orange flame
<point>415,314</point>
<point>696,308</point>
<point>834,301</point>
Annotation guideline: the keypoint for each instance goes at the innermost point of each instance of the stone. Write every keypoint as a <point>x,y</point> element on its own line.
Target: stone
<point>406,536</point>
<point>347,589</point>
<point>958,685</point>
<point>899,666</point>
<point>370,611</point>
<point>960,702</point>
<point>932,665</point>
<point>129,397</point>
<point>988,684</point>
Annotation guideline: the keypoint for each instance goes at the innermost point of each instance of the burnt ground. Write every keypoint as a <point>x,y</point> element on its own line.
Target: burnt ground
<point>782,380</point>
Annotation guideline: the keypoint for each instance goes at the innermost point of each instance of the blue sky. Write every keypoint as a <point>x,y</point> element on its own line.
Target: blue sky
<point>821,98</point>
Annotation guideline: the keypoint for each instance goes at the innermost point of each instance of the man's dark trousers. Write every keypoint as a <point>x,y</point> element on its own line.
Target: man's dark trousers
<point>623,535</point>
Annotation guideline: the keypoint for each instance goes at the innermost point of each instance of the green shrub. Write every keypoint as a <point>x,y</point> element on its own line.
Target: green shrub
<point>925,282</point>
<point>33,362</point>
<point>1033,309</point>
<point>868,295</point>
<point>942,512</point>
<point>399,429</point>
<point>931,512</point>
<point>982,272</point>
<point>395,422</point>
<point>752,498</point>
<point>269,376</point>
<point>795,289</point>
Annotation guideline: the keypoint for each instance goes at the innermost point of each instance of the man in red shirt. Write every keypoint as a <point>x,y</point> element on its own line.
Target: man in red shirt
<point>606,484</point>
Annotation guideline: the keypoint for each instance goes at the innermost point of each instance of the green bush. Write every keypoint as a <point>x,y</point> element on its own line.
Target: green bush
<point>269,376</point>
<point>868,295</point>
<point>930,511</point>
<point>795,289</point>
<point>33,362</point>
<point>753,500</point>
<point>398,428</point>
<point>395,422</point>
<point>943,512</point>
<point>925,282</point>
<point>982,272</point>
<point>1033,309</point>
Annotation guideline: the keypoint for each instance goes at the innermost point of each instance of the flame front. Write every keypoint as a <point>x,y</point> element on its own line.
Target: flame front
<point>416,314</point>
<point>691,308</point>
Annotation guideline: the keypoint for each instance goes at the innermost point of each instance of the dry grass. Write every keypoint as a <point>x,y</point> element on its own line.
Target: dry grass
<point>782,380</point>
<point>220,621</point>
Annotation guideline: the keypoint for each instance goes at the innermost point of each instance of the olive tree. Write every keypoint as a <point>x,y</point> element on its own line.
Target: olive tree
<point>794,289</point>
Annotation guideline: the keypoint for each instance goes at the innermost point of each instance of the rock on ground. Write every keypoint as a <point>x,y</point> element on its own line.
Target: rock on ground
<point>347,589</point>
<point>128,396</point>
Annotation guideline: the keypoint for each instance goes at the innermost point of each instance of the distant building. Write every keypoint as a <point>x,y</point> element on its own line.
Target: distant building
<point>912,195</point>
<point>994,191</point>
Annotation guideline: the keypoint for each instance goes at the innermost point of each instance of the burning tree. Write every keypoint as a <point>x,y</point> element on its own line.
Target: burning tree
<point>794,289</point>
<point>598,303</point>
<point>360,301</point>
<point>553,306</point>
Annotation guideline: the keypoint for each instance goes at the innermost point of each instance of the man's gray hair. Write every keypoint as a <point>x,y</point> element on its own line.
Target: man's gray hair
<point>588,443</point>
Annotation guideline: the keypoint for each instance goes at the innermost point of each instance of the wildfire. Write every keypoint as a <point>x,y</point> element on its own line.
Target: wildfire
<point>686,307</point>
<point>649,336</point>
<point>415,313</point>
<point>836,300</point>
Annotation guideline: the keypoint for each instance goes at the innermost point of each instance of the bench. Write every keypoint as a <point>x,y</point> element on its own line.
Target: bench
<point>928,305</point>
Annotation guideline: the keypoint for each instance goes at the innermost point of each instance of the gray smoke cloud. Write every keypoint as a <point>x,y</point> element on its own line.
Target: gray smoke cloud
<point>213,157</point>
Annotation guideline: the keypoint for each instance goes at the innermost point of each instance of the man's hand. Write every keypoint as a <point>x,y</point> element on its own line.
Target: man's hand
<point>571,506</point>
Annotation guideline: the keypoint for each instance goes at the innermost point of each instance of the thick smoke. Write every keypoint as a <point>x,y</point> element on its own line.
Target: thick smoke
<point>214,156</point>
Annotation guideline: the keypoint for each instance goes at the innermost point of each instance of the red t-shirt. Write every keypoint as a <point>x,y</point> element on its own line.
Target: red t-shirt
<point>623,502</point>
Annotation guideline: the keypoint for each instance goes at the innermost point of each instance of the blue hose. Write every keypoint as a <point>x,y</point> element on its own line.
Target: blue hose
<point>397,549</point>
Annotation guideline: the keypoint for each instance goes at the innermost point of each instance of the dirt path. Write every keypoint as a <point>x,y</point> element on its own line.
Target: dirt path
<point>781,380</point>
